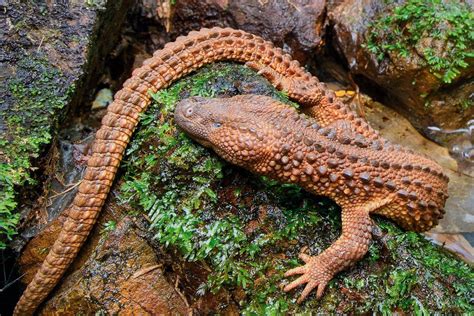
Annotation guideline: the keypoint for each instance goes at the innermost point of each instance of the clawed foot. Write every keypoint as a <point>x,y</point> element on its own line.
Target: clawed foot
<point>314,275</point>
<point>302,90</point>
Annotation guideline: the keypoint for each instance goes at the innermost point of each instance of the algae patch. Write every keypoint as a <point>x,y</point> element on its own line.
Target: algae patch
<point>248,230</point>
<point>34,96</point>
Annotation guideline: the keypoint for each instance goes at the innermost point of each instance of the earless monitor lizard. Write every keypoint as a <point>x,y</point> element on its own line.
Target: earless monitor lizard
<point>272,139</point>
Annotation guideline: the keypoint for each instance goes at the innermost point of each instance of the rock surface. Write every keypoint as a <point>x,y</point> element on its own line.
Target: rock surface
<point>121,275</point>
<point>297,26</point>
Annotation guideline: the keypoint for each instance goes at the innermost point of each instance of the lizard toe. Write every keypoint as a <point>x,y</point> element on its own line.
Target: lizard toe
<point>307,290</point>
<point>314,274</point>
<point>294,284</point>
<point>294,271</point>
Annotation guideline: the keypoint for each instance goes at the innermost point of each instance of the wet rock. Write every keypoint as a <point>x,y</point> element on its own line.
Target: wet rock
<point>121,275</point>
<point>45,50</point>
<point>297,26</point>
<point>403,72</point>
<point>456,243</point>
<point>460,143</point>
<point>35,252</point>
<point>102,99</point>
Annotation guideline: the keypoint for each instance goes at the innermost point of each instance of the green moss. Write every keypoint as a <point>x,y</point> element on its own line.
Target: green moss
<point>34,98</point>
<point>97,4</point>
<point>405,28</point>
<point>466,104</point>
<point>249,229</point>
<point>108,227</point>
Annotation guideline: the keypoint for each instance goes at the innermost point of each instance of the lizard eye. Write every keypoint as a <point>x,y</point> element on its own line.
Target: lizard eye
<point>217,124</point>
<point>189,112</point>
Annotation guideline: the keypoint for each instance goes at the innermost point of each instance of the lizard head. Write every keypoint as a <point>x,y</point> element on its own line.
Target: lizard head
<point>235,128</point>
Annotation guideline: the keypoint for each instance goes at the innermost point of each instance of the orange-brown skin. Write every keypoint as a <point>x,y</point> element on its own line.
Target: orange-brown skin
<point>174,61</point>
<point>363,176</point>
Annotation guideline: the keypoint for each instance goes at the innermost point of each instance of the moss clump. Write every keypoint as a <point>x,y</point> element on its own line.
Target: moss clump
<point>249,229</point>
<point>449,25</point>
<point>29,111</point>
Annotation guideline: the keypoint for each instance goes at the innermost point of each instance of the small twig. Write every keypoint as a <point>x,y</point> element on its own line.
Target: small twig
<point>59,179</point>
<point>357,94</point>
<point>294,5</point>
<point>11,283</point>
<point>92,135</point>
<point>41,43</point>
<point>179,292</point>
<point>65,191</point>
<point>146,270</point>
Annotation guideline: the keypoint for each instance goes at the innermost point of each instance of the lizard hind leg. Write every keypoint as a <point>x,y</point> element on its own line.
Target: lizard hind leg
<point>351,246</point>
<point>317,101</point>
<point>300,86</point>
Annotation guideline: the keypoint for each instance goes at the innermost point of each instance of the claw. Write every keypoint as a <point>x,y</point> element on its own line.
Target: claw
<point>263,70</point>
<point>254,65</point>
<point>269,74</point>
<point>320,291</point>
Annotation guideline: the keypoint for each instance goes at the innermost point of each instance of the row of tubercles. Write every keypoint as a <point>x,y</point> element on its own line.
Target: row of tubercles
<point>316,172</point>
<point>292,170</point>
<point>357,140</point>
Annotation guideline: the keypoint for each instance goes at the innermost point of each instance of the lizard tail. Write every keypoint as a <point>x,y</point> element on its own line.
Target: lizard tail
<point>175,60</point>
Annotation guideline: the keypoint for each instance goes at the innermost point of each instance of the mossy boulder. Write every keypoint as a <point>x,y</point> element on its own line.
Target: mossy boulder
<point>418,53</point>
<point>224,237</point>
<point>45,50</point>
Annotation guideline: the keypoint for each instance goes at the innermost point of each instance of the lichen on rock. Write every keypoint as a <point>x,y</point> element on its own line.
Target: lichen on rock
<point>28,120</point>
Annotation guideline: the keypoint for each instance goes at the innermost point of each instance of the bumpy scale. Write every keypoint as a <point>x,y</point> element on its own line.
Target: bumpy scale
<point>176,60</point>
<point>363,176</point>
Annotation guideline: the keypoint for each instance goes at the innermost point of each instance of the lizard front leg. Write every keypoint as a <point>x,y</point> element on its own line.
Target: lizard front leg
<point>351,246</point>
